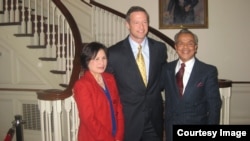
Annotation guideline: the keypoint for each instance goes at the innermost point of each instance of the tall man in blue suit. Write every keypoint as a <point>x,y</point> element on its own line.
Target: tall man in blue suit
<point>142,103</point>
<point>199,102</point>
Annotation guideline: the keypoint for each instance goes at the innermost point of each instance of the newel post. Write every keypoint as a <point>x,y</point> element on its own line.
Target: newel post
<point>225,92</point>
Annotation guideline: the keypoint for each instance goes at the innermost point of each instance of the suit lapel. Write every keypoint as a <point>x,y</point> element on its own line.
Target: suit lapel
<point>127,51</point>
<point>194,76</point>
<point>131,60</point>
<point>152,55</point>
<point>173,79</point>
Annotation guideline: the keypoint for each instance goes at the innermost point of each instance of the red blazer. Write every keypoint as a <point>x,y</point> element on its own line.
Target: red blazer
<point>94,109</point>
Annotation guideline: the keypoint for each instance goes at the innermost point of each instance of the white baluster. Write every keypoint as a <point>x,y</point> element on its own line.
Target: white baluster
<point>68,108</point>
<point>53,45</point>
<point>63,47</point>
<point>48,30</point>
<point>36,41</point>
<point>41,106</point>
<point>67,60</point>
<point>6,12</point>
<point>70,57</point>
<point>59,24</point>
<point>42,34</point>
<point>48,124</point>
<point>11,10</point>
<point>22,27</point>
<point>76,120</point>
<point>29,24</point>
<point>17,12</point>
<point>57,109</point>
<point>225,109</point>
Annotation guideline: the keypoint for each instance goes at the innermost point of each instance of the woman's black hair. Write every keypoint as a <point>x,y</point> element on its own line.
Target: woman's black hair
<point>89,51</point>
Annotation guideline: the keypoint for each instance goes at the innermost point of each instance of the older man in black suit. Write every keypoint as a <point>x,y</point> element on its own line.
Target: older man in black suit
<point>198,100</point>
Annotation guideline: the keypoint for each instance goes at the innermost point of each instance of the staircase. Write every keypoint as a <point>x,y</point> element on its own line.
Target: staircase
<point>48,30</point>
<point>53,32</point>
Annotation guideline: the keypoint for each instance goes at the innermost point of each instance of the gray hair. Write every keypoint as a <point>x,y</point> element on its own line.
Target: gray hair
<point>186,31</point>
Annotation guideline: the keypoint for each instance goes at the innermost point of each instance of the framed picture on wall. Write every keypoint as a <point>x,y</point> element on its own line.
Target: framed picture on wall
<point>177,14</point>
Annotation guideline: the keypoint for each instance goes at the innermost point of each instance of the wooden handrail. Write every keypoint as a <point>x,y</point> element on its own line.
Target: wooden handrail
<point>241,82</point>
<point>223,83</point>
<point>55,94</point>
<point>108,9</point>
<point>151,29</point>
<point>228,83</point>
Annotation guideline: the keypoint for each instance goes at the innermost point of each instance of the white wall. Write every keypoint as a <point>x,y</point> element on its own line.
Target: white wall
<point>224,44</point>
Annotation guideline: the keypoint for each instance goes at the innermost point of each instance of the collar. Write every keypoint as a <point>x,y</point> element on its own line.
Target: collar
<point>188,65</point>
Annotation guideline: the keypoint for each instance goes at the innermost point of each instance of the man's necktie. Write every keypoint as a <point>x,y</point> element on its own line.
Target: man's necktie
<point>179,78</point>
<point>141,65</point>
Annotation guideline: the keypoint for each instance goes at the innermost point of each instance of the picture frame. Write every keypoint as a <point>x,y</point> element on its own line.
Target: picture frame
<point>183,15</point>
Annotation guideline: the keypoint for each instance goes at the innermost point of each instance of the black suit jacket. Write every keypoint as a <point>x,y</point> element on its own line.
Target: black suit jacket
<point>200,103</point>
<point>137,99</point>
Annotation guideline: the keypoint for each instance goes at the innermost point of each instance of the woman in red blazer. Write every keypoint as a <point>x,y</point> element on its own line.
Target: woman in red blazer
<point>97,98</point>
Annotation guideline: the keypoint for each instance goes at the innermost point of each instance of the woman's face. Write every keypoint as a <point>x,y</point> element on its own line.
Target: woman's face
<point>98,64</point>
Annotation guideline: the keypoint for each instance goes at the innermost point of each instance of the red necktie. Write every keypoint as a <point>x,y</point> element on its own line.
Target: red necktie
<point>179,78</point>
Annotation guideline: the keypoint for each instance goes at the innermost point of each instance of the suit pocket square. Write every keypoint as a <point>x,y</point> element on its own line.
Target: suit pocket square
<point>200,84</point>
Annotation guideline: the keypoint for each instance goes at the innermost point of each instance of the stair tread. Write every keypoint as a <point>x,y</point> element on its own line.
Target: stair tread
<point>47,59</point>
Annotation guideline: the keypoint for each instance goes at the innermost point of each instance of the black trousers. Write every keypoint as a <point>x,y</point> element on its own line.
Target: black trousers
<point>149,133</point>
